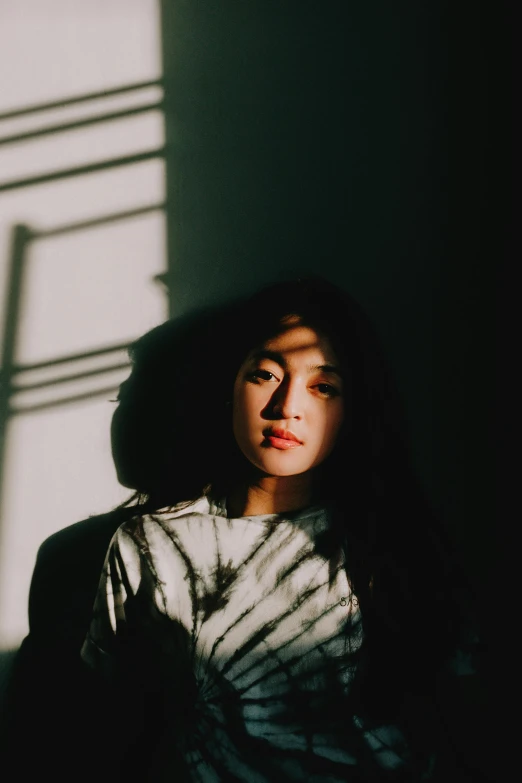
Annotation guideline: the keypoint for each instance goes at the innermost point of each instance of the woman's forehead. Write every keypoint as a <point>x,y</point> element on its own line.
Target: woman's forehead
<point>294,341</point>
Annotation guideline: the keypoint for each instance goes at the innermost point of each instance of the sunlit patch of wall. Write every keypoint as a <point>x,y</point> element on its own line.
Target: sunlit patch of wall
<point>82,252</point>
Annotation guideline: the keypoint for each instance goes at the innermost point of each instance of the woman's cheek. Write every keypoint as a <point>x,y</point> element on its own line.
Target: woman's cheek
<point>243,415</point>
<point>335,424</point>
<point>253,403</point>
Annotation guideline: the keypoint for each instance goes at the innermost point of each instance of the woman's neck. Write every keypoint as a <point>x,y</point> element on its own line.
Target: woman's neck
<point>270,495</point>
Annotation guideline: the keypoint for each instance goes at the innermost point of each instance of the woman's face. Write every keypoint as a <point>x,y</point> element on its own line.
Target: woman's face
<point>288,403</point>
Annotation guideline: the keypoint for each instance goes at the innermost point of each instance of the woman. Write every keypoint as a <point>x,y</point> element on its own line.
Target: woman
<point>281,606</point>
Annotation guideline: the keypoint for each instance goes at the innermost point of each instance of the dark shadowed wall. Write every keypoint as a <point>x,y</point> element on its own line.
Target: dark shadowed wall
<point>354,140</point>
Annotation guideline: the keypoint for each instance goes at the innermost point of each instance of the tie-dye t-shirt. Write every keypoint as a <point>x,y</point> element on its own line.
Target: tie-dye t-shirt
<point>251,636</point>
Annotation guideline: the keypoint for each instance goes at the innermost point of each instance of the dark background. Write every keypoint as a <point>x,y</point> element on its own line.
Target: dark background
<point>368,142</point>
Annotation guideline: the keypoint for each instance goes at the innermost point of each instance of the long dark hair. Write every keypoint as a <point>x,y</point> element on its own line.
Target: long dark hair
<point>399,557</point>
<point>173,441</point>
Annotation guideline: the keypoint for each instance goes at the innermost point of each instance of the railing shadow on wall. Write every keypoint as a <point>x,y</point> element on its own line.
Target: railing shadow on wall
<point>54,374</point>
<point>157,103</point>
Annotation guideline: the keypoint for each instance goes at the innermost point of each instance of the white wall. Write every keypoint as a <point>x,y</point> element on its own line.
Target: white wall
<point>84,289</point>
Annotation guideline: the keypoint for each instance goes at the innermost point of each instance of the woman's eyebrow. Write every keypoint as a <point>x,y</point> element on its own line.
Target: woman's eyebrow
<point>272,356</point>
<point>278,358</point>
<point>327,368</point>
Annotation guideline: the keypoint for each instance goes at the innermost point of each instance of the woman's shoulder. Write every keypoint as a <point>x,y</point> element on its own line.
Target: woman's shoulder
<point>143,524</point>
<point>201,505</point>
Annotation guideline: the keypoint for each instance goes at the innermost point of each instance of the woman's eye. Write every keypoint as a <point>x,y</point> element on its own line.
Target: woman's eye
<point>262,375</point>
<point>325,388</point>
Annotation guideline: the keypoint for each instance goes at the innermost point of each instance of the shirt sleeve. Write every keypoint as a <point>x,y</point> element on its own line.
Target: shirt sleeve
<point>119,581</point>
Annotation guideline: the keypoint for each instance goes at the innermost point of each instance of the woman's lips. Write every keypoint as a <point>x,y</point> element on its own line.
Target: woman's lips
<point>282,443</point>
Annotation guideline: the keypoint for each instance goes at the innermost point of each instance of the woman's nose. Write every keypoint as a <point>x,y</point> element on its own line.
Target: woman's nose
<point>288,401</point>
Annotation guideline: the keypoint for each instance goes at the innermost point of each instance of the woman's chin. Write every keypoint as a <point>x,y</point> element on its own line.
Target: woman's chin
<point>280,468</point>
